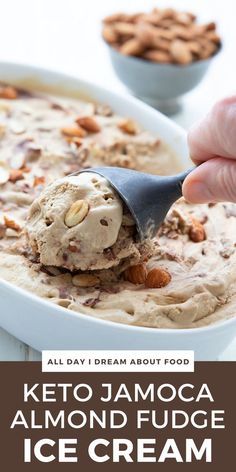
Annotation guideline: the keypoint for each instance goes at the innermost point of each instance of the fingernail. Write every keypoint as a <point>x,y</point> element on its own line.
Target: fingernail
<point>197,192</point>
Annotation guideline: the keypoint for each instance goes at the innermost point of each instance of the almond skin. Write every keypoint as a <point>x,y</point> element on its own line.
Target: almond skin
<point>157,278</point>
<point>180,52</point>
<point>39,181</point>
<point>128,127</point>
<point>73,132</point>
<point>109,34</point>
<point>15,175</point>
<point>132,47</point>
<point>89,124</point>
<point>197,232</point>
<point>136,274</point>
<point>11,224</point>
<point>8,92</point>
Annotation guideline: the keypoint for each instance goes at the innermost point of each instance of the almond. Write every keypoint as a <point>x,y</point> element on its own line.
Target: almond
<point>132,47</point>
<point>85,280</point>
<point>73,131</point>
<point>11,224</point>
<point>115,17</point>
<point>196,232</point>
<point>73,140</point>
<point>212,36</point>
<point>109,34</point>
<point>8,92</point>
<point>89,124</point>
<point>128,126</point>
<point>124,29</point>
<point>39,181</point>
<point>157,278</point>
<point>180,52</point>
<point>158,56</point>
<point>136,274</point>
<point>15,175</point>
<point>77,213</point>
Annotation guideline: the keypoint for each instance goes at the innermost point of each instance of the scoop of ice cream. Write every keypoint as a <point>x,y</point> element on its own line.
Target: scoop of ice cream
<point>79,223</point>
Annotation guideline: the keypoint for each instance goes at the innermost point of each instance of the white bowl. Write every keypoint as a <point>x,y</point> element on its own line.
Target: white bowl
<point>44,325</point>
<point>159,85</point>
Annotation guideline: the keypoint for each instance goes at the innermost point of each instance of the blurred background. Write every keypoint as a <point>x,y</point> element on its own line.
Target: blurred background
<point>66,35</point>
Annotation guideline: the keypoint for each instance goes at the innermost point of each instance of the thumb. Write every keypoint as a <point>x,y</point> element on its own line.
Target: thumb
<point>212,181</point>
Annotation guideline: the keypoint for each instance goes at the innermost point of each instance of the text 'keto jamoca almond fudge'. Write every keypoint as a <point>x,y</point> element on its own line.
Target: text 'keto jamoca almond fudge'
<point>74,243</point>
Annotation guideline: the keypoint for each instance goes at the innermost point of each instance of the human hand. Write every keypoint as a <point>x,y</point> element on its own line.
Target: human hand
<point>212,143</point>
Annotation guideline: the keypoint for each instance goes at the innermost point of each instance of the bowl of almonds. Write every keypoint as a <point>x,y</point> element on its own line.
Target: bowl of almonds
<point>160,55</point>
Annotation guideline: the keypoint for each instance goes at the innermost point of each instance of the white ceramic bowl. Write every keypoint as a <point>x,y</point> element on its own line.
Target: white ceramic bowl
<point>46,326</point>
<point>159,85</point>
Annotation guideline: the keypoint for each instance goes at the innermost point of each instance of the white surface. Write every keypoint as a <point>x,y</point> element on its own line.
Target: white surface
<point>65,35</point>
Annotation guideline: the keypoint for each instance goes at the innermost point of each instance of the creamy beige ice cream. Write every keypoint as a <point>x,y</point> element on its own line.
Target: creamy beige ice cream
<point>45,138</point>
<point>79,223</point>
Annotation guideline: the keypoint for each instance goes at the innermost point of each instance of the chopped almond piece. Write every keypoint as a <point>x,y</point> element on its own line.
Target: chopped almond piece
<point>11,224</point>
<point>39,181</point>
<point>16,174</point>
<point>196,232</point>
<point>132,47</point>
<point>109,34</point>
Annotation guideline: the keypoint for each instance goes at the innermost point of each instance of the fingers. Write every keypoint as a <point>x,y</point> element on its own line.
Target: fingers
<point>212,181</point>
<point>215,135</point>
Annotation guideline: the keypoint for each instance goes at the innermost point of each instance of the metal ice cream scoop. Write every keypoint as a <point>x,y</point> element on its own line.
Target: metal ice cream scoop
<point>148,197</point>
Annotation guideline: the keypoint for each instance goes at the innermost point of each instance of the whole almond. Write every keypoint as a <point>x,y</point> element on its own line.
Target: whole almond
<point>126,29</point>
<point>89,124</point>
<point>213,36</point>
<point>145,34</point>
<point>77,213</point>
<point>157,278</point>
<point>196,232</point>
<point>109,34</point>
<point>180,52</point>
<point>85,280</point>
<point>136,274</point>
<point>194,47</point>
<point>8,92</point>
<point>132,47</point>
<point>128,126</point>
<point>73,131</point>
<point>158,56</point>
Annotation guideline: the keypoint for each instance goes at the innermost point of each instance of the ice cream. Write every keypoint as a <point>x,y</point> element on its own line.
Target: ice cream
<point>80,223</point>
<point>190,279</point>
